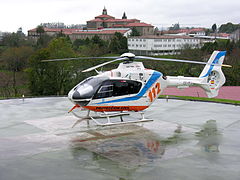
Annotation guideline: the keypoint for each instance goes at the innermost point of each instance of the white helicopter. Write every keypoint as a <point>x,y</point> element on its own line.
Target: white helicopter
<point>132,87</point>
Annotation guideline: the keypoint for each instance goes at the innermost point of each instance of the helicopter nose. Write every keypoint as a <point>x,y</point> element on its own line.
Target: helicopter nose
<point>76,95</point>
<point>82,92</point>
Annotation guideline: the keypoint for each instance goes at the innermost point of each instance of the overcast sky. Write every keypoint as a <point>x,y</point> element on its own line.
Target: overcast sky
<point>162,13</point>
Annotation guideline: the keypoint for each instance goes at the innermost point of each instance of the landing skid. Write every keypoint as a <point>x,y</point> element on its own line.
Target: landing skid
<point>108,116</point>
<point>120,123</point>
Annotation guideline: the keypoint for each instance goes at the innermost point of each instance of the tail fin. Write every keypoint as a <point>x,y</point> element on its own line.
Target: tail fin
<point>212,75</point>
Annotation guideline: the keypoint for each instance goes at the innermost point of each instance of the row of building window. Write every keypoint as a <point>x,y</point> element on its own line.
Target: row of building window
<point>144,40</point>
<point>137,45</point>
<point>169,45</point>
<point>160,45</point>
<point>166,40</point>
<point>175,40</point>
<point>173,45</point>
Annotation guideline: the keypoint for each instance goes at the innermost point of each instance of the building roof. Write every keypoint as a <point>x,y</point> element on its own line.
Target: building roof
<point>138,25</point>
<point>196,30</point>
<point>104,16</point>
<point>223,34</point>
<point>79,31</point>
<point>162,37</point>
<point>114,20</point>
<point>55,30</point>
<point>121,20</point>
<point>193,30</point>
<point>96,20</point>
<point>103,31</point>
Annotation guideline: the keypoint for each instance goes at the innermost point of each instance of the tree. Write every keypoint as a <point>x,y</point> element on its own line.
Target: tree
<point>51,78</point>
<point>175,27</point>
<point>39,82</point>
<point>61,48</point>
<point>214,29</point>
<point>92,50</point>
<point>135,32</point>
<point>5,84</point>
<point>16,60</point>
<point>40,30</point>
<point>80,42</point>
<point>60,34</point>
<point>43,41</point>
<point>97,40</point>
<point>93,47</point>
<point>14,40</point>
<point>228,28</point>
<point>118,44</point>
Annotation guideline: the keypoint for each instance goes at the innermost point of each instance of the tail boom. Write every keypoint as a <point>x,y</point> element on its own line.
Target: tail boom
<point>210,79</point>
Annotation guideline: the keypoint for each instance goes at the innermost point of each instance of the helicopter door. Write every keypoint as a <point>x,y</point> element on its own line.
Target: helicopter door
<point>113,88</point>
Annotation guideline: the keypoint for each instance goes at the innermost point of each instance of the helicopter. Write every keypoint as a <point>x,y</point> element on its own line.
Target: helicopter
<point>133,88</point>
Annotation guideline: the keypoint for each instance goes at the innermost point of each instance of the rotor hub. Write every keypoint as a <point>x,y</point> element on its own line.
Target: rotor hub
<point>128,55</point>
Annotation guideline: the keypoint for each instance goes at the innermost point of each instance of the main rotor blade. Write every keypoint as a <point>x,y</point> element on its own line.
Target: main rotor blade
<point>77,58</point>
<point>172,60</point>
<point>103,64</point>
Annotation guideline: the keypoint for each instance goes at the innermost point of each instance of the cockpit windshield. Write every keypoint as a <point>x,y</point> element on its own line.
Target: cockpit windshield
<point>93,81</point>
<point>88,87</point>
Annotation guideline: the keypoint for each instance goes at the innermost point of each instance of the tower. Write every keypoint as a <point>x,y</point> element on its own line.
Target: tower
<point>124,16</point>
<point>104,11</point>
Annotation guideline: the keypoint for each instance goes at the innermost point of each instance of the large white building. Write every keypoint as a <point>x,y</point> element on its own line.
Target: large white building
<point>158,45</point>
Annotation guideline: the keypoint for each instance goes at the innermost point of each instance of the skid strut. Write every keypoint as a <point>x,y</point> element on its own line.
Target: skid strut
<point>108,116</point>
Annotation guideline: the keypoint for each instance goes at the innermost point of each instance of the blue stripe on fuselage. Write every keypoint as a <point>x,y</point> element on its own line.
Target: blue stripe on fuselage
<point>218,56</point>
<point>150,82</point>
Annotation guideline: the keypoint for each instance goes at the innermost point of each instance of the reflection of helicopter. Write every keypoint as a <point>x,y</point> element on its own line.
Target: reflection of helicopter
<point>130,147</point>
<point>131,87</point>
<point>209,136</point>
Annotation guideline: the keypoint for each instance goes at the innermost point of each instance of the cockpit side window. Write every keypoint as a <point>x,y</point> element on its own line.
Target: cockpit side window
<point>106,88</point>
<point>111,88</point>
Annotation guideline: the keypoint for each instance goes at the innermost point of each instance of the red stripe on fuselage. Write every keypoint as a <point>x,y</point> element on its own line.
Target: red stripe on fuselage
<point>115,108</point>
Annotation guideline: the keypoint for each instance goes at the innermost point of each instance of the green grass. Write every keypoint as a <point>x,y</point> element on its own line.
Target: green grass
<point>227,101</point>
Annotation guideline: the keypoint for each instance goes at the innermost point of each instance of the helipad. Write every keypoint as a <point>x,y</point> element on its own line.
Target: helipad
<point>186,140</point>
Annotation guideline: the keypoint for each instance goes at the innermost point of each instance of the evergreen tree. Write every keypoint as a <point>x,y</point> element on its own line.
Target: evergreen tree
<point>175,27</point>
<point>40,30</point>
<point>118,44</point>
<point>214,28</point>
<point>135,32</point>
<point>51,78</point>
<point>229,27</point>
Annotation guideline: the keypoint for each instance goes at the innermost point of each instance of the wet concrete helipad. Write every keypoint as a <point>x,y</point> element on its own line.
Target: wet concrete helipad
<point>187,140</point>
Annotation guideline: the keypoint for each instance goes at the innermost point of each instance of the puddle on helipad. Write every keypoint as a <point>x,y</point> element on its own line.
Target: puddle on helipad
<point>186,140</point>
